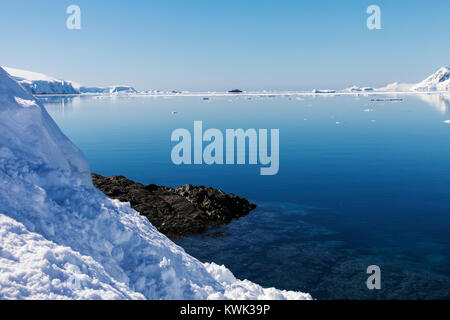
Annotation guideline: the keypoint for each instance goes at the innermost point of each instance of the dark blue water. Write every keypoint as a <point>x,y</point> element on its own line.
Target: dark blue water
<point>371,190</point>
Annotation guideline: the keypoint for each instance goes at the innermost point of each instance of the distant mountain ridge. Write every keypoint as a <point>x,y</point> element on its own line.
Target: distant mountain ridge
<point>438,81</point>
<point>38,83</point>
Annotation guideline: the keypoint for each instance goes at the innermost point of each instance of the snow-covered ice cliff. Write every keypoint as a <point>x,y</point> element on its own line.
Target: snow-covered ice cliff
<point>37,83</point>
<point>62,238</point>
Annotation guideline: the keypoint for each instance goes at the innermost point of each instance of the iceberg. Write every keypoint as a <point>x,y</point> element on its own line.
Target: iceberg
<point>121,89</point>
<point>60,238</point>
<point>323,91</point>
<point>358,89</point>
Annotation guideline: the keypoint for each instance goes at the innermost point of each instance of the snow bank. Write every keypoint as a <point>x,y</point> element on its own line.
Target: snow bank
<point>62,238</point>
<point>37,83</point>
<point>246,290</point>
<point>35,268</point>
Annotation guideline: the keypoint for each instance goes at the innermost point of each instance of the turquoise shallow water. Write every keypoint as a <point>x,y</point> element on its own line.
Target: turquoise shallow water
<point>372,189</point>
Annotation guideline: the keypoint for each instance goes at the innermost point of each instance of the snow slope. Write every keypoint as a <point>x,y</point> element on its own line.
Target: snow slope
<point>62,238</point>
<point>37,83</point>
<point>396,87</point>
<point>439,81</point>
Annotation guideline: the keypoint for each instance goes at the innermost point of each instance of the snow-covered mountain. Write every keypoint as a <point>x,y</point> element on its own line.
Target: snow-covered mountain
<point>439,81</point>
<point>62,238</point>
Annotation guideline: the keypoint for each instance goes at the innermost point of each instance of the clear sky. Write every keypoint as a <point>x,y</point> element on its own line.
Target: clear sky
<point>218,45</point>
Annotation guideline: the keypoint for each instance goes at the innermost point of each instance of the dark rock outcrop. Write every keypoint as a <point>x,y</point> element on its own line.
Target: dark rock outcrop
<point>178,212</point>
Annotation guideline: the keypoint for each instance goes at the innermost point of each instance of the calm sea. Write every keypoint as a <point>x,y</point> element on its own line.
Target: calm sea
<point>361,183</point>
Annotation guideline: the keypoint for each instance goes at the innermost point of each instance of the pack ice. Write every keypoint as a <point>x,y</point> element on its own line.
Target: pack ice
<point>60,238</point>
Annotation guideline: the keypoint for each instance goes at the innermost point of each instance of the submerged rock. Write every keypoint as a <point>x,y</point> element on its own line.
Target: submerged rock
<point>178,212</point>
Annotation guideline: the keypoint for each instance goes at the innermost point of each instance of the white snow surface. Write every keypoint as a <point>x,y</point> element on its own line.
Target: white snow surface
<point>60,238</point>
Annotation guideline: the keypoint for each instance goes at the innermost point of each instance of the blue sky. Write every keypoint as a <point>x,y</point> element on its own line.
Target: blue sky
<point>218,45</point>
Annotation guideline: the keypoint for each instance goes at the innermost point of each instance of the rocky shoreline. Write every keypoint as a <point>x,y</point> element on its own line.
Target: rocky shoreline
<point>179,212</point>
